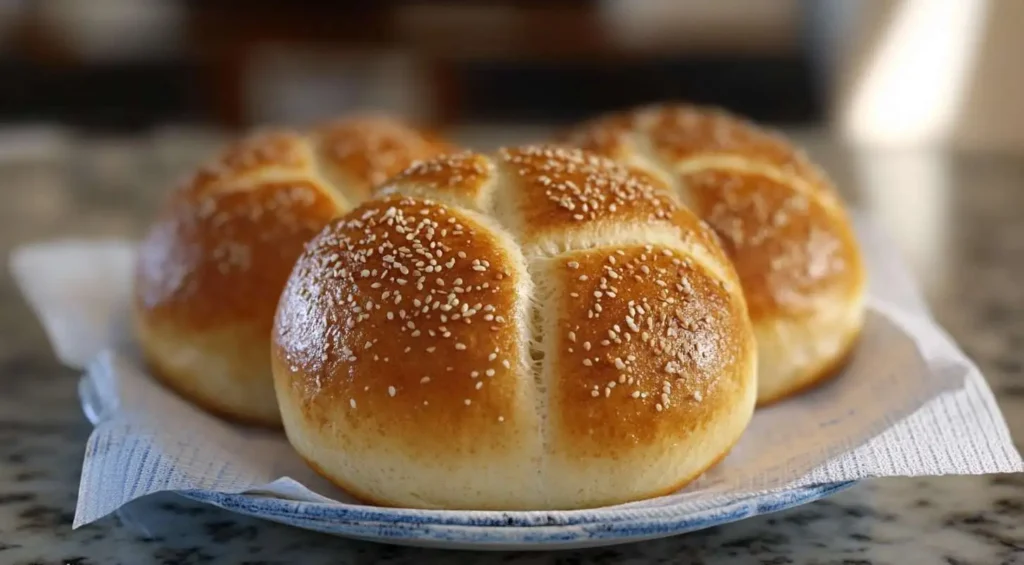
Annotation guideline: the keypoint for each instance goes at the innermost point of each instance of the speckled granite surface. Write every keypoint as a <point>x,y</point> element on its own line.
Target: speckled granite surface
<point>960,219</point>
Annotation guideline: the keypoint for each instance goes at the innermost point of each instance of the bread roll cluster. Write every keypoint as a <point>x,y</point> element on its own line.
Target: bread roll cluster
<point>573,324</point>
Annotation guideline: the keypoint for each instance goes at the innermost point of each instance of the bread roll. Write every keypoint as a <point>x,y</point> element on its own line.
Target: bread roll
<point>213,265</point>
<point>535,329</point>
<point>779,219</point>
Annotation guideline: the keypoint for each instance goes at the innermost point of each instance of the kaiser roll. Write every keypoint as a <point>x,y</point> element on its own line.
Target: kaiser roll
<point>778,217</point>
<point>535,329</point>
<point>214,263</point>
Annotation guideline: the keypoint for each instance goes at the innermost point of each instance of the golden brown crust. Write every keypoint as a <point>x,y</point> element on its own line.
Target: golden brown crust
<point>650,349</point>
<point>776,214</point>
<point>788,248</point>
<point>557,191</point>
<point>362,152</point>
<point>223,257</point>
<point>253,157</point>
<point>218,255</point>
<point>684,132</point>
<point>404,313</point>
<point>463,178</point>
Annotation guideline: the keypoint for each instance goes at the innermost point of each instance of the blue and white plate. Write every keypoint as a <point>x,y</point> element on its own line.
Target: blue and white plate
<point>508,530</point>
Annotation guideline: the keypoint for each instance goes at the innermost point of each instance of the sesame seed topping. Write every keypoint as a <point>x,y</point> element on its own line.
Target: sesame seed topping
<point>392,391</point>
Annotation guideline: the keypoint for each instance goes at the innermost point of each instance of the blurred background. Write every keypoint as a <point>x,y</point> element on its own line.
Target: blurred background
<point>879,71</point>
<point>133,64</point>
<point>99,98</point>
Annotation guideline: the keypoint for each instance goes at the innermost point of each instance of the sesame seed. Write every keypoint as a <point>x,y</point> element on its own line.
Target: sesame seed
<point>479,385</point>
<point>467,402</point>
<point>573,265</point>
<point>501,418</point>
<point>595,393</point>
<point>460,346</point>
<point>636,394</point>
<point>506,364</point>
<point>588,362</point>
<point>352,402</point>
<point>572,337</point>
<point>658,407</point>
<point>392,391</point>
<point>424,380</point>
<point>489,372</point>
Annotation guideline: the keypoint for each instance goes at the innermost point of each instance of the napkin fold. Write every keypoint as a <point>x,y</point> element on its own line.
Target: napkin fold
<point>910,403</point>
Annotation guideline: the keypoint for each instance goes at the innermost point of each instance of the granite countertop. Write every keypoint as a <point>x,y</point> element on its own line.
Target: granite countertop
<point>958,218</point>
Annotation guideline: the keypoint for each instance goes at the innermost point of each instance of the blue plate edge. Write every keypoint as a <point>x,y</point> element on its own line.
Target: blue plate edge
<point>394,529</point>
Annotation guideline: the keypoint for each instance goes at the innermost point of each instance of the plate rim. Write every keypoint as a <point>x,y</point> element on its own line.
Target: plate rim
<point>391,525</point>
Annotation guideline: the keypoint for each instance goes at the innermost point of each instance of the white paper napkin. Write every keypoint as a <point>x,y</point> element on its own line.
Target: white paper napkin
<point>909,404</point>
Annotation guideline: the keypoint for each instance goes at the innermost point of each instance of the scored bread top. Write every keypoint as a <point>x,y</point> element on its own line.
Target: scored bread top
<point>221,248</point>
<point>408,311</point>
<point>357,154</point>
<point>480,290</point>
<point>777,215</point>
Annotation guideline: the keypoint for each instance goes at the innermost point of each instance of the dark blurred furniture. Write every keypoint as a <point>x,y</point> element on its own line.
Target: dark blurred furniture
<point>492,61</point>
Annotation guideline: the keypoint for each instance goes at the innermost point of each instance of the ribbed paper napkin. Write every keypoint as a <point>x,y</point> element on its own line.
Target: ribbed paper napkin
<point>909,404</point>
